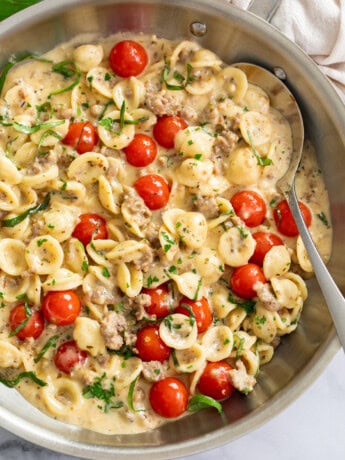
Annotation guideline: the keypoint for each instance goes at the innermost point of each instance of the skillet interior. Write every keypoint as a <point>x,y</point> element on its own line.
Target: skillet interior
<point>235,36</point>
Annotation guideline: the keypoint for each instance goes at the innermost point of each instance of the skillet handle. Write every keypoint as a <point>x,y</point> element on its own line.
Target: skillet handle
<point>265,9</point>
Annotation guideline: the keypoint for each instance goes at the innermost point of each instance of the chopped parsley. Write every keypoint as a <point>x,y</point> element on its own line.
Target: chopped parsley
<point>105,272</point>
<point>97,390</point>
<point>321,215</point>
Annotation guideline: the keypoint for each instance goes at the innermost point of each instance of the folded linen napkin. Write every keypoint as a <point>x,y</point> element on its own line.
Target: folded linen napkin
<point>317,26</point>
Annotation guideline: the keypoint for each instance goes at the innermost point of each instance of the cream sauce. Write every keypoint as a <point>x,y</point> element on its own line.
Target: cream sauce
<point>63,397</point>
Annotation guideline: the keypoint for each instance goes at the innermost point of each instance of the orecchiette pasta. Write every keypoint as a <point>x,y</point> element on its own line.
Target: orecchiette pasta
<point>115,277</point>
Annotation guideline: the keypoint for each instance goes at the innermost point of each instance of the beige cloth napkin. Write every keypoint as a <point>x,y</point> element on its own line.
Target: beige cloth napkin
<point>317,26</point>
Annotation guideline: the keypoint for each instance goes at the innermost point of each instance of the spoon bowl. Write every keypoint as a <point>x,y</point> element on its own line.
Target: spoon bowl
<point>284,101</point>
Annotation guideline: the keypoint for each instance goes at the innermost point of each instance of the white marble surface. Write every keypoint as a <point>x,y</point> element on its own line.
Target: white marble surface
<point>313,427</point>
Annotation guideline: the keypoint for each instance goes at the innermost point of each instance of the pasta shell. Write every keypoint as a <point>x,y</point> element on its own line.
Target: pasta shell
<point>178,331</point>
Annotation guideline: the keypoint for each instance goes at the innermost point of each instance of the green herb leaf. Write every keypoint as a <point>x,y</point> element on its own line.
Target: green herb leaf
<point>51,343</point>
<point>97,390</point>
<point>44,136</point>
<point>200,402</point>
<point>184,80</point>
<point>248,305</point>
<point>261,161</point>
<point>323,218</point>
<point>28,313</point>
<point>33,129</point>
<point>105,272</point>
<point>130,395</point>
<point>67,69</point>
<point>18,219</point>
<point>197,289</point>
<point>23,375</point>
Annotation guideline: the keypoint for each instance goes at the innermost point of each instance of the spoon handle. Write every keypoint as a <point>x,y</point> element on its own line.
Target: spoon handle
<point>334,298</point>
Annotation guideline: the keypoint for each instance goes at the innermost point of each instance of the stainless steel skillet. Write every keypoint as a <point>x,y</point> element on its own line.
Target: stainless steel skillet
<point>236,36</point>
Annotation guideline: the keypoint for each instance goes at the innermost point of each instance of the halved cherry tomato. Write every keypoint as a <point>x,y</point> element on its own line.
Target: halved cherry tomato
<point>250,207</point>
<point>61,307</point>
<point>141,151</point>
<point>33,328</point>
<point>68,355</point>
<point>128,58</point>
<point>169,397</point>
<point>166,128</point>
<point>150,346</point>
<point>284,219</point>
<point>244,278</point>
<point>264,242</point>
<point>82,136</point>
<point>159,303</point>
<point>215,381</point>
<point>154,190</point>
<point>200,309</point>
<point>90,226</point>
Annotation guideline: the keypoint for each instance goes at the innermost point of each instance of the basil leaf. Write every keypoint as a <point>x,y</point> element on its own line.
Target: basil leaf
<point>130,396</point>
<point>18,219</point>
<point>51,343</point>
<point>122,115</point>
<point>28,314</point>
<point>24,375</point>
<point>33,129</point>
<point>67,69</point>
<point>184,80</point>
<point>44,136</point>
<point>248,305</point>
<point>261,161</point>
<point>200,402</point>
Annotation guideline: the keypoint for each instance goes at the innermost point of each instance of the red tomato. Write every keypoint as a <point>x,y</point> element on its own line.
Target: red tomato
<point>159,302</point>
<point>150,345</point>
<point>154,190</point>
<point>141,151</point>
<point>244,278</point>
<point>82,136</point>
<point>250,207</point>
<point>166,128</point>
<point>215,381</point>
<point>33,328</point>
<point>284,219</point>
<point>169,397</point>
<point>128,58</point>
<point>68,355</point>
<point>61,307</point>
<point>264,242</point>
<point>201,310</point>
<point>90,226</point>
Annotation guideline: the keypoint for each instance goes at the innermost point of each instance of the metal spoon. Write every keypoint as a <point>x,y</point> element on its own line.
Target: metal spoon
<point>283,100</point>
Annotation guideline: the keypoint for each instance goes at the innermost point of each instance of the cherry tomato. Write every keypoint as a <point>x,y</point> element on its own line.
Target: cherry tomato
<point>150,346</point>
<point>128,58</point>
<point>284,219</point>
<point>154,190</point>
<point>141,151</point>
<point>159,302</point>
<point>169,397</point>
<point>166,128</point>
<point>244,278</point>
<point>264,242</point>
<point>250,207</point>
<point>33,328</point>
<point>61,307</point>
<point>201,310</point>
<point>82,136</point>
<point>90,226</point>
<point>215,381</point>
<point>68,355</point>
